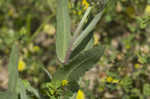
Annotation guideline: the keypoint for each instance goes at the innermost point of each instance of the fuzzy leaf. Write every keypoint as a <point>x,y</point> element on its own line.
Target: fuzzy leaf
<point>81,24</point>
<point>12,71</point>
<point>8,95</point>
<point>79,64</point>
<point>3,95</point>
<point>90,44</point>
<point>87,30</point>
<point>63,29</point>
<point>83,45</point>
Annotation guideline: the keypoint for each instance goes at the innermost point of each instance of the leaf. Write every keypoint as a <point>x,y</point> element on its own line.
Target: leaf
<point>82,45</point>
<point>7,95</point>
<point>63,29</point>
<point>22,90</point>
<point>29,88</point>
<point>12,70</point>
<point>90,44</point>
<point>73,96</point>
<point>81,24</point>
<point>146,89</point>
<point>3,95</point>
<point>88,30</point>
<point>79,65</point>
<point>47,72</point>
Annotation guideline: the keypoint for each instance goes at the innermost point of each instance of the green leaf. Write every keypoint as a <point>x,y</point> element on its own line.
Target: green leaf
<point>146,89</point>
<point>79,65</point>
<point>22,90</point>
<point>3,95</point>
<point>88,30</point>
<point>29,88</point>
<point>84,45</point>
<point>7,95</point>
<point>47,72</point>
<point>63,29</point>
<point>73,96</point>
<point>126,83</point>
<point>90,44</point>
<point>81,24</point>
<point>12,70</point>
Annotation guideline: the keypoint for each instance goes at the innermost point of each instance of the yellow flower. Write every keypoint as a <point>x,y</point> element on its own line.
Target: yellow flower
<point>21,65</point>
<point>96,39</point>
<point>64,82</point>
<point>49,29</point>
<point>147,10</point>
<point>74,12</point>
<point>80,95</point>
<point>85,3</point>
<point>115,81</point>
<point>127,46</point>
<point>109,79</point>
<point>130,11</point>
<point>137,66</point>
<point>36,48</point>
<point>80,12</point>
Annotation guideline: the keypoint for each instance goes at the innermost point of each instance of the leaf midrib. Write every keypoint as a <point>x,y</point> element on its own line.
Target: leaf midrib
<point>64,29</point>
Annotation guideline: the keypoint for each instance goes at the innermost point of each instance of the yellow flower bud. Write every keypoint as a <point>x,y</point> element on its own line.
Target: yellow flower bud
<point>109,79</point>
<point>115,81</point>
<point>147,10</point>
<point>49,29</point>
<point>80,12</point>
<point>137,66</point>
<point>80,95</point>
<point>130,11</point>
<point>21,65</point>
<point>85,3</point>
<point>64,82</point>
<point>96,39</point>
<point>36,48</point>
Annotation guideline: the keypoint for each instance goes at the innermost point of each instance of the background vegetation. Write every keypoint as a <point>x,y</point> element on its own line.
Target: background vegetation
<point>122,73</point>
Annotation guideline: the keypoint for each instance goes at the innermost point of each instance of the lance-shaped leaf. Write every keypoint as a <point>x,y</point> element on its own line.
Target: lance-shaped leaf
<point>12,71</point>
<point>3,95</point>
<point>85,44</point>
<point>22,90</point>
<point>83,20</point>
<point>79,65</point>
<point>87,30</point>
<point>7,95</point>
<point>63,29</point>
<point>30,89</point>
<point>90,44</point>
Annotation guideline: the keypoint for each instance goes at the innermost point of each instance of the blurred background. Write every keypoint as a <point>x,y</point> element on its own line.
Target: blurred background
<point>122,73</point>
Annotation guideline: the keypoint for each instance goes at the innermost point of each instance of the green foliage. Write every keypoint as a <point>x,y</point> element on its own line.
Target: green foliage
<point>28,88</point>
<point>13,75</point>
<point>88,29</point>
<point>121,25</point>
<point>4,95</point>
<point>63,34</point>
<point>73,71</point>
<point>146,89</point>
<point>15,85</point>
<point>12,69</point>
<point>8,95</point>
<point>79,65</point>
<point>22,91</point>
<point>126,83</point>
